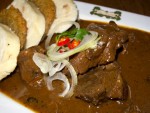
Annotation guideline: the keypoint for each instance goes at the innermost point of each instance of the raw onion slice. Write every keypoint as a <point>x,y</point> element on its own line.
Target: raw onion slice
<point>2,46</point>
<point>59,76</point>
<point>56,67</point>
<point>89,41</point>
<point>42,62</point>
<point>51,33</point>
<point>68,92</point>
<point>73,77</point>
<point>47,66</point>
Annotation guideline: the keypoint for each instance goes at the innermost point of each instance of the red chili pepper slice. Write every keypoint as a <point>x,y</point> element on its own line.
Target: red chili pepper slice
<point>73,44</point>
<point>63,41</point>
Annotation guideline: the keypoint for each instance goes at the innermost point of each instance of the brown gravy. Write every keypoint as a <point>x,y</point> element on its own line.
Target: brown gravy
<point>135,70</point>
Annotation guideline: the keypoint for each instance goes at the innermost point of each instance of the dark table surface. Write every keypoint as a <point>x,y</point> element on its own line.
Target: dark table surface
<point>135,6</point>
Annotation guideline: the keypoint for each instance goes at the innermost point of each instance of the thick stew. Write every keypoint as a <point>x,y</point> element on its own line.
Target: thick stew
<point>113,78</point>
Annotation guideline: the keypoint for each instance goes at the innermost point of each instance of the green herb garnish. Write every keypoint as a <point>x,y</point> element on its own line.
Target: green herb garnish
<point>76,34</point>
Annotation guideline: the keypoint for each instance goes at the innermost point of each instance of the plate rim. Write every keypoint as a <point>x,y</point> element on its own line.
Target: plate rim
<point>128,19</point>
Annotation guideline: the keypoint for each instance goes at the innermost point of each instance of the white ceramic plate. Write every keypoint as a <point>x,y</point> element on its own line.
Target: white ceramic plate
<point>128,19</point>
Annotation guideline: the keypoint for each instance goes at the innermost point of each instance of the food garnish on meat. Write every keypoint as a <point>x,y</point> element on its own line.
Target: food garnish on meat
<point>59,60</point>
<point>112,38</point>
<point>95,47</point>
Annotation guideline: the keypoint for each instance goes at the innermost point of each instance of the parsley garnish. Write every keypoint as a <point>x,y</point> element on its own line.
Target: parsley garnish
<point>76,34</point>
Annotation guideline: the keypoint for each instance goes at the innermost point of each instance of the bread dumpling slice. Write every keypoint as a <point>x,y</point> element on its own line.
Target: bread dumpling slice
<point>13,18</point>
<point>66,10</point>
<point>9,50</point>
<point>35,21</point>
<point>47,8</point>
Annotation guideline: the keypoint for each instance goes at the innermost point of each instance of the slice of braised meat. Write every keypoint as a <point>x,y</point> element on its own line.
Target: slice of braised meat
<point>101,84</point>
<point>30,73</point>
<point>112,39</point>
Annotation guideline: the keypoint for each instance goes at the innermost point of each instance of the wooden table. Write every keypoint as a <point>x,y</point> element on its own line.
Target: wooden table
<point>135,6</point>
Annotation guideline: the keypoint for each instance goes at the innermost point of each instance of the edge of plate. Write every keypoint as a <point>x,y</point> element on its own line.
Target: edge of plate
<point>128,19</point>
<point>8,105</point>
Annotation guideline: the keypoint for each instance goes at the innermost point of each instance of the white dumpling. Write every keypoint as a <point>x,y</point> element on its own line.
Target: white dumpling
<point>66,10</point>
<point>9,50</point>
<point>35,21</point>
